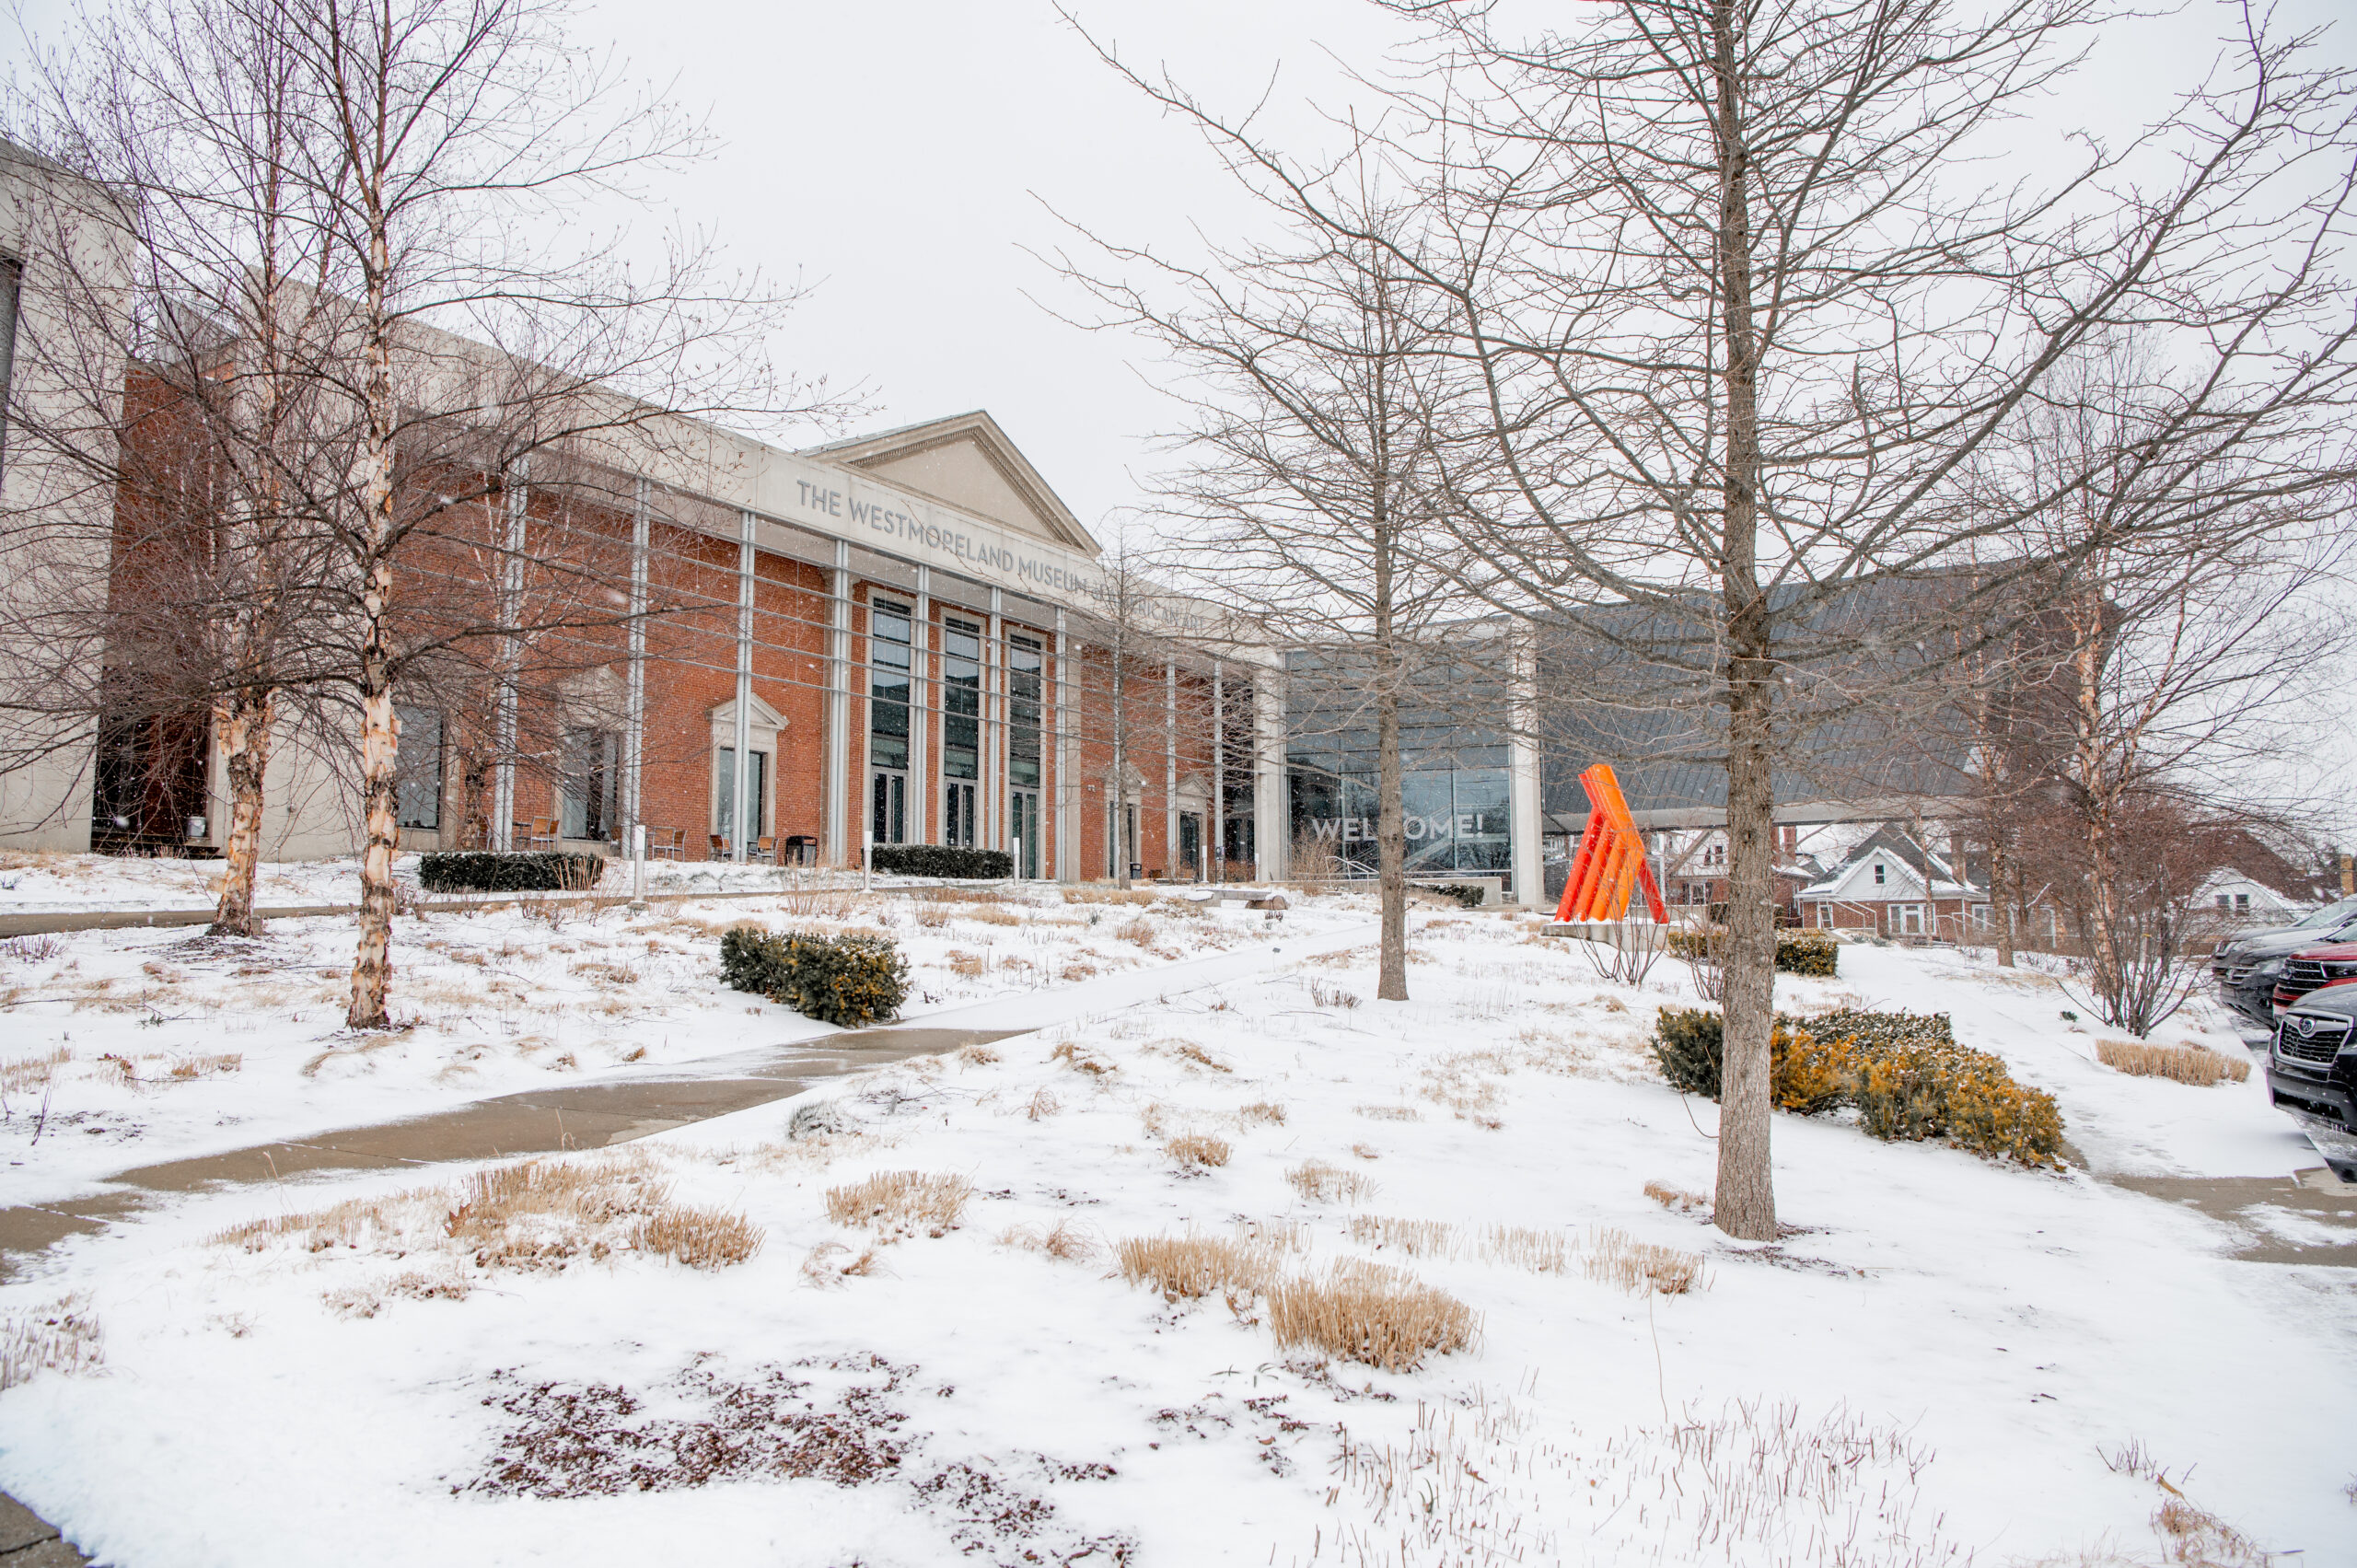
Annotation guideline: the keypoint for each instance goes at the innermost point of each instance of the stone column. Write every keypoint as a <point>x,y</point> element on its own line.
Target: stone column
<point>1065,803</point>
<point>1219,772</point>
<point>634,735</point>
<point>920,807</point>
<point>1271,822</point>
<point>992,784</point>
<point>1169,767</point>
<point>1528,886</point>
<point>511,593</point>
<point>837,836</point>
<point>741,815</point>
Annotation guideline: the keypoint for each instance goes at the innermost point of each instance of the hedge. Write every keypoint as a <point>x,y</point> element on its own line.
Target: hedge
<point>534,871</point>
<point>941,860</point>
<point>1468,895</point>
<point>1904,1072</point>
<point>853,979</point>
<point>1812,953</point>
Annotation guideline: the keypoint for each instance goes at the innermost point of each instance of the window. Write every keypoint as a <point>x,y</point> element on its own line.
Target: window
<point>888,685</point>
<point>961,699</point>
<point>1717,855</point>
<point>592,783</point>
<point>1880,874</point>
<point>2242,904</point>
<point>1023,693</point>
<point>417,769</point>
<point>1824,917</point>
<point>757,795</point>
<point>12,282</point>
<point>2222,901</point>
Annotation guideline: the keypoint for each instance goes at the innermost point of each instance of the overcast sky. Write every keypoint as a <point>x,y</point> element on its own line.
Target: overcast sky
<point>903,157</point>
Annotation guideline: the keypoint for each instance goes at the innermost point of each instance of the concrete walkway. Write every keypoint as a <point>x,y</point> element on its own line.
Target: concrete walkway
<point>614,1111</point>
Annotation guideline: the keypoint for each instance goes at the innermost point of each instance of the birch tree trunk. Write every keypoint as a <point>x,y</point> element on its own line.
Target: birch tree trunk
<point>381,728</point>
<point>244,718</point>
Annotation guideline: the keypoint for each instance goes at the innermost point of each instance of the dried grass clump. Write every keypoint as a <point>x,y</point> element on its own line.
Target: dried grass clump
<point>1187,1268</point>
<point>1323,1184</point>
<point>1136,897</point>
<point>1061,1243</point>
<point>700,1238</point>
<point>1081,1060</point>
<point>61,1337</point>
<point>993,915</point>
<point>1368,1314</point>
<point>932,916</point>
<point>541,1214</point>
<point>1417,1238</point>
<point>1043,1104</point>
<point>219,1065</point>
<point>1540,1251</point>
<point>32,1072</point>
<point>1676,1198</point>
<point>1198,1150</point>
<point>1139,932</point>
<point>1390,1112</point>
<point>30,950</point>
<point>969,965</point>
<point>897,1203</point>
<point>2185,1063</point>
<point>1264,1111</point>
<point>1637,1267</point>
<point>820,1269</point>
<point>1188,1050</point>
<point>977,1055</point>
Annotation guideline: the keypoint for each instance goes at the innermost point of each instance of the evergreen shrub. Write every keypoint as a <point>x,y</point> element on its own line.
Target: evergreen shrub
<point>530,871</point>
<point>853,979</point>
<point>1811,953</point>
<point>1904,1072</point>
<point>1468,895</point>
<point>941,860</point>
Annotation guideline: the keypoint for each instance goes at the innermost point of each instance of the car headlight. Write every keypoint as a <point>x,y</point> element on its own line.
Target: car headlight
<point>2340,971</point>
<point>2268,970</point>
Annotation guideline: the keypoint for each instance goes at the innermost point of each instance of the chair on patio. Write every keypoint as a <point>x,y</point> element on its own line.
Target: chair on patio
<point>801,849</point>
<point>542,834</point>
<point>765,849</point>
<point>666,844</point>
<point>717,847</point>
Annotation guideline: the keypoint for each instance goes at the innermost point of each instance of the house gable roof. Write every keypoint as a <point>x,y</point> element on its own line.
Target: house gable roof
<point>1911,873</point>
<point>965,461</point>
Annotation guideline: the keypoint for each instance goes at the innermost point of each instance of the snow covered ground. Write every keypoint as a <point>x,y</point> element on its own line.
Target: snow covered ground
<point>37,883</point>
<point>1947,1360</point>
<point>121,1049</point>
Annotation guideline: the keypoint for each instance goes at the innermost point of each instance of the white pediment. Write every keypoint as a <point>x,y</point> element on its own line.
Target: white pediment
<point>968,463</point>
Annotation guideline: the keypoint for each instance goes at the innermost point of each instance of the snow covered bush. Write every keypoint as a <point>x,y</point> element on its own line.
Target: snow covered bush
<point>539,871</point>
<point>853,979</point>
<point>1812,953</point>
<point>1904,1072</point>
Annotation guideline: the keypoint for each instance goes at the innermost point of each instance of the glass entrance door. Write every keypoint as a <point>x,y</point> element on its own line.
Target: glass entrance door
<point>1190,845</point>
<point>957,813</point>
<point>1023,828</point>
<point>888,806</point>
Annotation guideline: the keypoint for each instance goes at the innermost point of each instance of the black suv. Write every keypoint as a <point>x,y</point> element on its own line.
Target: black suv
<point>2312,1061</point>
<point>2247,968</point>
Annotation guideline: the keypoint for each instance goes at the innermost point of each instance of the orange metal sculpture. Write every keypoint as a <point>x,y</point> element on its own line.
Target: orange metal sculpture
<point>1611,859</point>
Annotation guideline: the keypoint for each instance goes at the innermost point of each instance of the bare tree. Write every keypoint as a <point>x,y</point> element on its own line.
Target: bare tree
<point>1311,491</point>
<point>1742,326</point>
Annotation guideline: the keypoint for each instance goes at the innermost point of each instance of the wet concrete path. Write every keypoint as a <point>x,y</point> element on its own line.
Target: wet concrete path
<point>581,1116</point>
<point>2310,1218</point>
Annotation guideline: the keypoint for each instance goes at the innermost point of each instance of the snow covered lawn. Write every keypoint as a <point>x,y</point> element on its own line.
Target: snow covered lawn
<point>121,1049</point>
<point>934,1351</point>
<point>32,882</point>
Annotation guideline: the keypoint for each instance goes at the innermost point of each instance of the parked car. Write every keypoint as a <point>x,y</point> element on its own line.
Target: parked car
<point>2315,968</point>
<point>2247,968</point>
<point>2311,1061</point>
